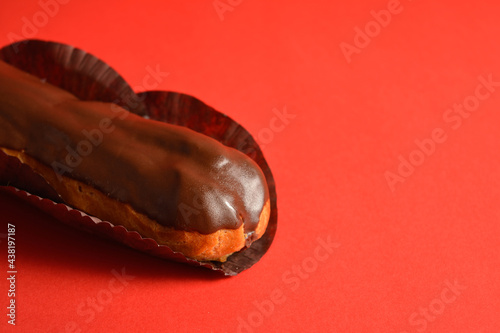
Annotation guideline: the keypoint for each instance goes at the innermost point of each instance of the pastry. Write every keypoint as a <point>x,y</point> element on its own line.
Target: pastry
<point>181,188</point>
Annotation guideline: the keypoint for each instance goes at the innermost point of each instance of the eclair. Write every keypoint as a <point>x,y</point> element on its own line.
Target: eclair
<point>176,186</point>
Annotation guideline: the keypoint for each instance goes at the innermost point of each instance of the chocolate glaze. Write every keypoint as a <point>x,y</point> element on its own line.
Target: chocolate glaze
<point>178,177</point>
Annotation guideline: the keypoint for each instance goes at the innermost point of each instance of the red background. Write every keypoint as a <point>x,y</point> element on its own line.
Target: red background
<point>398,249</point>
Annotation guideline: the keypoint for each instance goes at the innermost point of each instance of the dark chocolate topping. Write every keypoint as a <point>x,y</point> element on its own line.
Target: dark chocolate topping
<point>176,176</point>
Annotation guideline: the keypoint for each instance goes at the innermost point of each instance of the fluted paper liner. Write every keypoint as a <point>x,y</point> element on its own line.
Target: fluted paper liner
<point>89,78</point>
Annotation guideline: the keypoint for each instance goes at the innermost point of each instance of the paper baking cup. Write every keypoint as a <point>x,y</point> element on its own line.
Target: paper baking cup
<point>89,78</point>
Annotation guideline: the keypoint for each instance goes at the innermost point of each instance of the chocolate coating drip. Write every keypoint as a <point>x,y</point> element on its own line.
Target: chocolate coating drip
<point>178,177</point>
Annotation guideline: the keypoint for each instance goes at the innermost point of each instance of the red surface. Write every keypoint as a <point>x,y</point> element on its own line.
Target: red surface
<point>397,252</point>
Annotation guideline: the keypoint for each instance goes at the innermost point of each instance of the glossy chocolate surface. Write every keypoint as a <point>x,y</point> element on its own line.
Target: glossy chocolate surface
<point>176,176</point>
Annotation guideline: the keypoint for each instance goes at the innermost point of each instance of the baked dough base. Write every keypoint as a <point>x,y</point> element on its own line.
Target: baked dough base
<point>216,246</point>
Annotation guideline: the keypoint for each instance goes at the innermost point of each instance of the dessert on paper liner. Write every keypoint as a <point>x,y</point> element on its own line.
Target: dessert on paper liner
<point>89,79</point>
